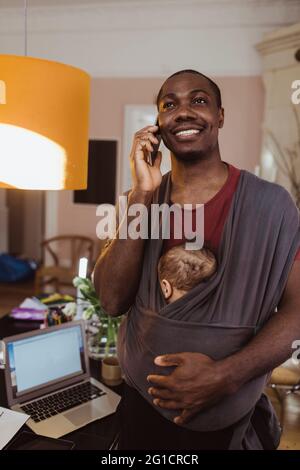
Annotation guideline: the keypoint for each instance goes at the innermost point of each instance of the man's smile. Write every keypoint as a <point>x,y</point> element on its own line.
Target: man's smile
<point>187,133</point>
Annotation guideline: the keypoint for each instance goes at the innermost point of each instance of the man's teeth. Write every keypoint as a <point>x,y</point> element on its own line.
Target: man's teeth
<point>188,132</point>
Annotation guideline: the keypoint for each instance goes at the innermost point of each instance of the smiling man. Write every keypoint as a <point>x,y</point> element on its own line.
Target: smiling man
<point>196,135</point>
<point>196,369</point>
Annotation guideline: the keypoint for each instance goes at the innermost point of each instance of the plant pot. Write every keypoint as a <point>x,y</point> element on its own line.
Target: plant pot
<point>111,371</point>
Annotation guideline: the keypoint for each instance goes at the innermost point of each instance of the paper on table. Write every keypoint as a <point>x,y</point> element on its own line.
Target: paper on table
<point>33,303</point>
<point>10,423</point>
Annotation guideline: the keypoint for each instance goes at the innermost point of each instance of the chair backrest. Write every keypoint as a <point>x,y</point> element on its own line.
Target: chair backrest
<point>66,250</point>
<point>287,374</point>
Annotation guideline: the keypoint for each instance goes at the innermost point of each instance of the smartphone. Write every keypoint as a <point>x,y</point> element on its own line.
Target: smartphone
<point>153,154</point>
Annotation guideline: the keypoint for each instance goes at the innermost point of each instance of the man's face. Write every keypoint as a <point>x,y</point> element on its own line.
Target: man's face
<point>189,117</point>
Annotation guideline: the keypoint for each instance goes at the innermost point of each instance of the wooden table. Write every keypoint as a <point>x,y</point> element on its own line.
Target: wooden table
<point>97,435</point>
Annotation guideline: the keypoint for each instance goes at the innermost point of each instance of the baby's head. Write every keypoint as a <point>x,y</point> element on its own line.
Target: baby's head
<point>180,270</point>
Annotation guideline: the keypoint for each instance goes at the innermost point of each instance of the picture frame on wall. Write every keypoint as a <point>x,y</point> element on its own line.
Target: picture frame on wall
<point>102,174</point>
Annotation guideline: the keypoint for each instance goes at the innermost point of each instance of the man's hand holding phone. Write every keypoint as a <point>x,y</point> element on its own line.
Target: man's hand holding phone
<point>145,159</point>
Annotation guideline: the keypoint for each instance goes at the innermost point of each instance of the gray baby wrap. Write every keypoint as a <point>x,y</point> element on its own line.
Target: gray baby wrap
<point>219,316</point>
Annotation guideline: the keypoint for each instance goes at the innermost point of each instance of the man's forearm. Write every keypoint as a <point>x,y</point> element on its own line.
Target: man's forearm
<point>117,272</point>
<point>270,348</point>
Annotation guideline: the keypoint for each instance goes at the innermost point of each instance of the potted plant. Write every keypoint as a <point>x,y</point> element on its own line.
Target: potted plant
<point>102,329</point>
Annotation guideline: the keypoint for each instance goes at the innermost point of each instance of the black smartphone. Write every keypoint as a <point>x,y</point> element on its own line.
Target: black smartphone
<point>30,441</point>
<point>153,154</point>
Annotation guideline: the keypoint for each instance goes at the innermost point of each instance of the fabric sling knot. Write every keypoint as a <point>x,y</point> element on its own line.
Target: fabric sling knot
<point>219,316</point>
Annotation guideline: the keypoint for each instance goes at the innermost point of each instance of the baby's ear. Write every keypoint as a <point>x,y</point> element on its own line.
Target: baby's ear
<point>166,288</point>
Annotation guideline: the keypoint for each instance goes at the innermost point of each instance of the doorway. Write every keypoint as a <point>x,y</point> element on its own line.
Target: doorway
<point>26,222</point>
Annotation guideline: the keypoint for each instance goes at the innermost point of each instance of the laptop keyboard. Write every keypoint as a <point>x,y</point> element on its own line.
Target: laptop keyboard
<point>54,404</point>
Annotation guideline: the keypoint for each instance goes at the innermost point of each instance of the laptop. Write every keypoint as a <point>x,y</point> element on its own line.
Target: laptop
<point>47,377</point>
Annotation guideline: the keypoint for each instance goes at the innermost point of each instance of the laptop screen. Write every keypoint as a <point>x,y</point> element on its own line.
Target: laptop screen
<point>45,359</point>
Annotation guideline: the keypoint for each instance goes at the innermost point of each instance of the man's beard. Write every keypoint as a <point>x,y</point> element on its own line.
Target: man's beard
<point>190,157</point>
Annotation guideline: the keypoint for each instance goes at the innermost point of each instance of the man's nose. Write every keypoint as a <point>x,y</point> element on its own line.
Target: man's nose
<point>184,112</point>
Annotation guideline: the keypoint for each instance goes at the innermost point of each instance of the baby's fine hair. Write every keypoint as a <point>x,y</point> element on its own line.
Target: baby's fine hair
<point>184,269</point>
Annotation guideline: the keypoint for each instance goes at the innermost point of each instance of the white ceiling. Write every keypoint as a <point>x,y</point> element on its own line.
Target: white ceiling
<point>17,3</point>
<point>49,3</point>
<point>108,38</point>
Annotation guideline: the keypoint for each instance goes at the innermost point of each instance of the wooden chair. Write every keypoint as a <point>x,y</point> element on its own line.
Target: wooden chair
<point>64,251</point>
<point>285,380</point>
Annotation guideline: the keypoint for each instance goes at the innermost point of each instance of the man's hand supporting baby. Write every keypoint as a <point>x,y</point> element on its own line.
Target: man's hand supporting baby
<point>196,383</point>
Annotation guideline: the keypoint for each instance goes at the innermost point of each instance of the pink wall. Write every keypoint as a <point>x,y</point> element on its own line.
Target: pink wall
<point>240,139</point>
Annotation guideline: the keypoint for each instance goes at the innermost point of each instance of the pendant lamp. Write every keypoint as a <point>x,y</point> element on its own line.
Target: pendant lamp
<point>44,111</point>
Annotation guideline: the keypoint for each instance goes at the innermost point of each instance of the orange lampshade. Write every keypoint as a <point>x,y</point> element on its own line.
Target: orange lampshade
<point>44,111</point>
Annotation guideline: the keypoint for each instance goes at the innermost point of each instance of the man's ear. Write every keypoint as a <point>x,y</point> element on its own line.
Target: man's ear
<point>166,288</point>
<point>221,117</point>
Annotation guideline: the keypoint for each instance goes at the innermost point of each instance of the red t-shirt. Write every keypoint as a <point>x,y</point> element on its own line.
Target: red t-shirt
<point>215,214</point>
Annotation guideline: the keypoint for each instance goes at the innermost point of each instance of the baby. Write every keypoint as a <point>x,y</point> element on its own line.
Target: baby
<point>180,270</point>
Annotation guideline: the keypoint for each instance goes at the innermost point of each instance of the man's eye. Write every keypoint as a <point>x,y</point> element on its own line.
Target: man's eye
<point>168,105</point>
<point>200,101</point>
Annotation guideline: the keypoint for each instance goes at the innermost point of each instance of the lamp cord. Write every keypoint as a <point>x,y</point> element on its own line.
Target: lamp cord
<point>25,28</point>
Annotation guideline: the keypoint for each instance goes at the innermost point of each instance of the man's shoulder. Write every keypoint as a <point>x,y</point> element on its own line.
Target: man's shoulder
<point>269,193</point>
<point>267,188</point>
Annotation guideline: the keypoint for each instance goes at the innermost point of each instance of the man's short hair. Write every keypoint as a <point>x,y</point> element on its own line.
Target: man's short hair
<point>213,85</point>
<point>184,269</point>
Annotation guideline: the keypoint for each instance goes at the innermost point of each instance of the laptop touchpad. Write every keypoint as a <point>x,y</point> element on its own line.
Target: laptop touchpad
<point>84,414</point>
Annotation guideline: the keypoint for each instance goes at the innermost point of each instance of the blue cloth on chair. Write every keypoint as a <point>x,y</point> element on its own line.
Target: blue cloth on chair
<point>13,269</point>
